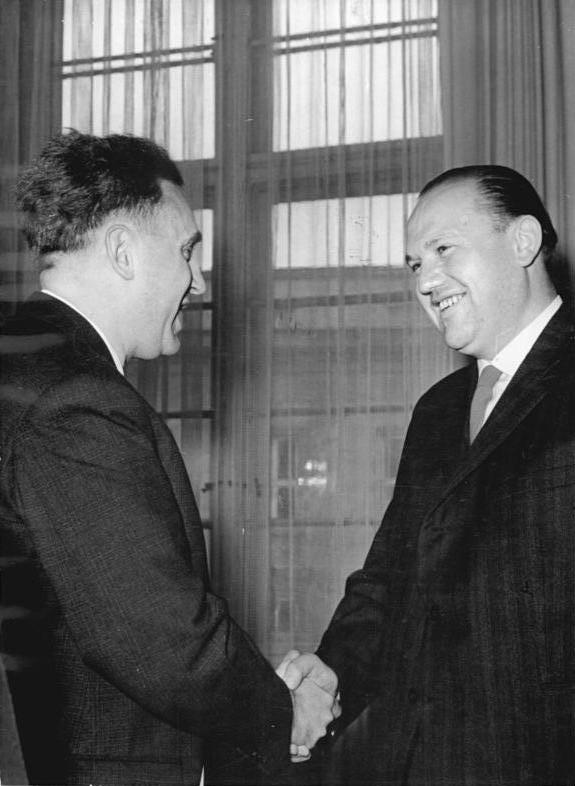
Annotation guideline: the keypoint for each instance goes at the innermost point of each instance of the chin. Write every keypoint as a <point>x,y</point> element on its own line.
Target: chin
<point>172,346</point>
<point>455,339</point>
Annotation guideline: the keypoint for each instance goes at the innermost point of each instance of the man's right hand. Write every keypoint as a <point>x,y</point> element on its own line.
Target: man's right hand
<point>313,686</point>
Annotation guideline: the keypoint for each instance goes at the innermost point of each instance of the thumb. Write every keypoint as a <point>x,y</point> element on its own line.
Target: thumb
<point>282,668</point>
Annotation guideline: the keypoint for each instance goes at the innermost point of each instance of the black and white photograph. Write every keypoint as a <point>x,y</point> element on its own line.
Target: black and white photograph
<point>287,393</point>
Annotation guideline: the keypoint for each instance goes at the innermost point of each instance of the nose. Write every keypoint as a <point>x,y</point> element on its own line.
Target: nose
<point>198,285</point>
<point>430,275</point>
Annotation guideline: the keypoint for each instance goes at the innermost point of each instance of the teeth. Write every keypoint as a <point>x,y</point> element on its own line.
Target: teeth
<point>449,301</point>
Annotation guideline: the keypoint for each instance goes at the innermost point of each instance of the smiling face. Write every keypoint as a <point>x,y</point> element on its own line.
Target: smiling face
<point>169,273</point>
<point>468,276</point>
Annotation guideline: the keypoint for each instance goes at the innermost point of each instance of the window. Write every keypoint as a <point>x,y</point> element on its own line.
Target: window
<point>353,52</point>
<point>303,129</point>
<point>118,54</point>
<point>309,234</point>
<point>353,142</point>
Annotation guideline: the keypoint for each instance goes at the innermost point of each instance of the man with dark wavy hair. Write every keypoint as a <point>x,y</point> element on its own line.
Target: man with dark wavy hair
<point>129,662</point>
<point>459,631</point>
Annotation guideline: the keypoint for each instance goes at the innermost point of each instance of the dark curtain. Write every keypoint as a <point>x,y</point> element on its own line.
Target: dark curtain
<point>30,84</point>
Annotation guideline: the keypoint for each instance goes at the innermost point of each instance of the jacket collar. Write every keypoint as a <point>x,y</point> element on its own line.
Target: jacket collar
<point>46,316</point>
<point>531,383</point>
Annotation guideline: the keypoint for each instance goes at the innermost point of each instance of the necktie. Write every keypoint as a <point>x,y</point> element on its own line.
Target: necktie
<point>481,398</point>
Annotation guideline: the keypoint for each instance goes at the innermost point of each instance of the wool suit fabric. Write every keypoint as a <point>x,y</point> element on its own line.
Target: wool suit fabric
<point>129,661</point>
<point>459,630</point>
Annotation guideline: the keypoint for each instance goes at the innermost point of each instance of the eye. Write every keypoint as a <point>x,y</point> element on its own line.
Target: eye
<point>187,252</point>
<point>414,266</point>
<point>188,248</point>
<point>442,250</point>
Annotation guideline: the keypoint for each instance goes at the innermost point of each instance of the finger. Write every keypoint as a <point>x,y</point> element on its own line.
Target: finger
<point>299,753</point>
<point>313,667</point>
<point>289,656</point>
<point>298,759</point>
<point>299,750</point>
<point>313,733</point>
<point>293,675</point>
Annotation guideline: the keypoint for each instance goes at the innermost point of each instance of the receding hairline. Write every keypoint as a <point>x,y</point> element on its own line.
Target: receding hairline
<point>170,196</point>
<point>478,200</point>
<point>484,201</point>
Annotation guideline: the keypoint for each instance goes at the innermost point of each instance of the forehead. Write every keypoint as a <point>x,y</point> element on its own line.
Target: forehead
<point>174,211</point>
<point>451,206</point>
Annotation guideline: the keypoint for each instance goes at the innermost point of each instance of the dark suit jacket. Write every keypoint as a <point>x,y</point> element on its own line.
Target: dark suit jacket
<point>12,768</point>
<point>132,660</point>
<point>459,631</point>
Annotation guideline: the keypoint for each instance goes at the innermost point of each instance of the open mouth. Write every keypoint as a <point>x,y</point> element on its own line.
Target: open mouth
<point>449,302</point>
<point>184,304</point>
<point>178,322</point>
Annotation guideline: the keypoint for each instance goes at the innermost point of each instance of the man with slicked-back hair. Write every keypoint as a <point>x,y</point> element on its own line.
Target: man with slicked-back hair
<point>458,633</point>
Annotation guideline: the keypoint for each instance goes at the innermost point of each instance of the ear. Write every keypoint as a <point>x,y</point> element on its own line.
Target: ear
<point>119,250</point>
<point>527,239</point>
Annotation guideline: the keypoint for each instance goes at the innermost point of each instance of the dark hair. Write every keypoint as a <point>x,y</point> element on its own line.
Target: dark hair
<point>504,194</point>
<point>79,179</point>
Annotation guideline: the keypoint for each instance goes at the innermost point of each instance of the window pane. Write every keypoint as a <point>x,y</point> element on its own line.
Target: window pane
<point>359,231</point>
<point>203,251</point>
<point>142,68</point>
<point>362,84</point>
<point>194,438</point>
<point>301,16</point>
<point>117,27</point>
<point>349,340</point>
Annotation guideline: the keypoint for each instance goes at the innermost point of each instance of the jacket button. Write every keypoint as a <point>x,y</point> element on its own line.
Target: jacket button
<point>413,696</point>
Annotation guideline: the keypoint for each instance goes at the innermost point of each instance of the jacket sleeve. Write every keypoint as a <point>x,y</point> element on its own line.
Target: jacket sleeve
<point>371,624</point>
<point>86,479</point>
<point>354,639</point>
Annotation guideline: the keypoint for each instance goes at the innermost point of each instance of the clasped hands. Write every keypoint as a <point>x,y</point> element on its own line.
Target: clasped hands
<point>313,687</point>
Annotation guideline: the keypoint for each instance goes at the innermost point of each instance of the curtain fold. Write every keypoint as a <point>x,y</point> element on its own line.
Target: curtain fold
<point>356,116</point>
<point>30,89</point>
<point>30,85</point>
<point>506,68</point>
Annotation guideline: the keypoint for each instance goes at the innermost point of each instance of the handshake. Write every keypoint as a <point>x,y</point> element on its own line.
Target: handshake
<point>313,687</point>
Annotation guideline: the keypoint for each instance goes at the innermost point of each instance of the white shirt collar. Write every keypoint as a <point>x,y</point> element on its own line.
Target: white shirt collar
<point>513,354</point>
<point>111,350</point>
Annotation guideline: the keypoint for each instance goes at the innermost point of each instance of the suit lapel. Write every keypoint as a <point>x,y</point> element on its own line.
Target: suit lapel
<point>528,387</point>
<point>443,532</point>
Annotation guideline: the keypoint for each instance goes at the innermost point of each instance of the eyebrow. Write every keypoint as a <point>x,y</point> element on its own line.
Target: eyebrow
<point>193,241</point>
<point>428,244</point>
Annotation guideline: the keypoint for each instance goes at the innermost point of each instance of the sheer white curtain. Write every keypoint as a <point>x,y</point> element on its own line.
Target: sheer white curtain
<point>356,130</point>
<point>304,129</point>
<point>326,123</point>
